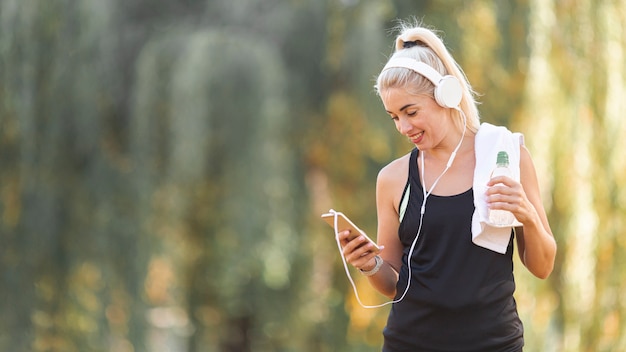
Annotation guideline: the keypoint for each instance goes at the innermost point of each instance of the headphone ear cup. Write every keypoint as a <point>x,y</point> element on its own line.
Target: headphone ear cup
<point>448,92</point>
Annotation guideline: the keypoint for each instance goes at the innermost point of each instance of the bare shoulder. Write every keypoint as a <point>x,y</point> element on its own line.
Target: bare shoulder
<point>525,154</point>
<point>391,182</point>
<point>527,167</point>
<point>529,178</point>
<point>396,170</point>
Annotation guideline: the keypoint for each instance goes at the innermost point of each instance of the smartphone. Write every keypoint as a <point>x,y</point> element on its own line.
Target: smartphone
<point>343,223</point>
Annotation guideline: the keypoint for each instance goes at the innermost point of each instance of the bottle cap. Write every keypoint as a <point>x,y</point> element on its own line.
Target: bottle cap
<point>503,158</point>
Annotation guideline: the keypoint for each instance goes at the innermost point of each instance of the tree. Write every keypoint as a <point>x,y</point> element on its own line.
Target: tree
<point>576,72</point>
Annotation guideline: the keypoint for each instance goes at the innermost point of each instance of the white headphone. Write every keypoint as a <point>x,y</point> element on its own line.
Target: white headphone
<point>448,91</point>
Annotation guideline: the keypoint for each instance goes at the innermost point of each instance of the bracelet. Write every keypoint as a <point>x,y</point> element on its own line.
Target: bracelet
<point>379,262</point>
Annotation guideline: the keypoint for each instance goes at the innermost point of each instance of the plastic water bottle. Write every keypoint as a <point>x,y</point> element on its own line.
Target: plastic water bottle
<point>501,217</point>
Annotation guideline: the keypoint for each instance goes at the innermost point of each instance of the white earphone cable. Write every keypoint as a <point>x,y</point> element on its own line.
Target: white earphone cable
<point>422,211</point>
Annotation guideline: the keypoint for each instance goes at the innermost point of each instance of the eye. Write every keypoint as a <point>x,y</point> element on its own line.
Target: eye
<point>411,113</point>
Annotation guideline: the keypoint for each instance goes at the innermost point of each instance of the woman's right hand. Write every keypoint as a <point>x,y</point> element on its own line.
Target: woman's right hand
<point>358,251</point>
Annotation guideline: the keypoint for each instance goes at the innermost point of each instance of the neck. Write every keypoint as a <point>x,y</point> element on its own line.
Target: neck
<point>459,144</point>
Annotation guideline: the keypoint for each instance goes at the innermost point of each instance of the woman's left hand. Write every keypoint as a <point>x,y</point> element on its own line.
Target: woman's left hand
<point>504,193</point>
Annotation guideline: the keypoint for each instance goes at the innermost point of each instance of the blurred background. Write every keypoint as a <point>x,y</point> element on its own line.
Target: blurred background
<point>164,163</point>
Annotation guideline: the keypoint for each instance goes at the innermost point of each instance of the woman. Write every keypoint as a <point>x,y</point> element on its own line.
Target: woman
<point>450,294</point>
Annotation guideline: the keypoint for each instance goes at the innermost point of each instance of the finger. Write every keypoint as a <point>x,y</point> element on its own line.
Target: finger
<point>343,236</point>
<point>512,203</point>
<point>359,260</point>
<point>501,179</point>
<point>500,193</point>
<point>357,247</point>
<point>355,244</point>
<point>501,197</point>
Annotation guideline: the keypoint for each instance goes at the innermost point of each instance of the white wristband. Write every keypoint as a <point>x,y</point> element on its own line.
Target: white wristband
<point>379,262</point>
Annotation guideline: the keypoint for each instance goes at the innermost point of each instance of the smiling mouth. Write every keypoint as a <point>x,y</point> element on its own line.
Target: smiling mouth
<point>416,137</point>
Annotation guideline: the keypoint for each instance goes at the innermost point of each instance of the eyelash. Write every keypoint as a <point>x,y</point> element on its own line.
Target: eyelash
<point>409,114</point>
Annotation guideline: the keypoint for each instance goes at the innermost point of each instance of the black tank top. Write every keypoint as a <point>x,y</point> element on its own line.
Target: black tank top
<point>461,295</point>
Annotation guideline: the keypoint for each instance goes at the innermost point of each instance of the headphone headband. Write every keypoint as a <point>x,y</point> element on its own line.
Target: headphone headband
<point>448,91</point>
<point>404,62</point>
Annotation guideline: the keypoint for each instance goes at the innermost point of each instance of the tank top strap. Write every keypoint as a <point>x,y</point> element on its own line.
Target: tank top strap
<point>406,194</point>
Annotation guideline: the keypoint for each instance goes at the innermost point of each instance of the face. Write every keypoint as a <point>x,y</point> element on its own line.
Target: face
<point>419,118</point>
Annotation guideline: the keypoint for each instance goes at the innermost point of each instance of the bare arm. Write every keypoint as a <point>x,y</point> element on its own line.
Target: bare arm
<point>536,244</point>
<point>390,182</point>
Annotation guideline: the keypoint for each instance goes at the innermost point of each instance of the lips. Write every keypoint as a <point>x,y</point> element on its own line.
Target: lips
<point>416,138</point>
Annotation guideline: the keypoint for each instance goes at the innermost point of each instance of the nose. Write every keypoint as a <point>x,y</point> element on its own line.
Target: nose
<point>403,126</point>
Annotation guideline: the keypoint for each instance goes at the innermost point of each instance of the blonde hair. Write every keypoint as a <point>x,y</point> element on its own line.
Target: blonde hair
<point>422,44</point>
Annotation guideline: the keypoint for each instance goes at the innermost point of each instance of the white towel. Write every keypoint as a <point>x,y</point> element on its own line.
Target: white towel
<point>489,141</point>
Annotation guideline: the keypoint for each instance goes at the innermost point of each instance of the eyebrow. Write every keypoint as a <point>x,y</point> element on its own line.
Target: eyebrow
<point>403,108</point>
